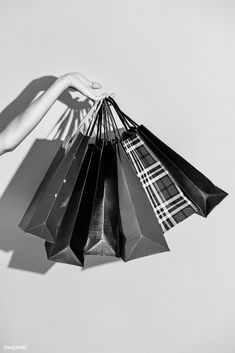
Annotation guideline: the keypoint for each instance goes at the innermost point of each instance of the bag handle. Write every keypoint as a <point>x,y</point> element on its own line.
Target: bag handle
<point>95,120</point>
<point>120,113</point>
<point>94,109</point>
<point>108,120</point>
<point>99,128</point>
<point>111,120</point>
<point>124,122</point>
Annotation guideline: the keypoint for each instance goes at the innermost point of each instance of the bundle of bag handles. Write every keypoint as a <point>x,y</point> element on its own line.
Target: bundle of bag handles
<point>125,119</point>
<point>101,117</point>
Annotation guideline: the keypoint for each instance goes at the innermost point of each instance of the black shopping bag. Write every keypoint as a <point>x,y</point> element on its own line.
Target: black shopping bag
<point>73,231</point>
<point>141,234</point>
<point>45,212</point>
<point>195,185</point>
<point>25,221</point>
<point>103,236</point>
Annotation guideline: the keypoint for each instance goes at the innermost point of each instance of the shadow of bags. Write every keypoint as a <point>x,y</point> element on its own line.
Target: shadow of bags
<point>28,251</point>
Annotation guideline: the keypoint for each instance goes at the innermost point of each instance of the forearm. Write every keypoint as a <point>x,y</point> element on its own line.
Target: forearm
<point>24,123</point>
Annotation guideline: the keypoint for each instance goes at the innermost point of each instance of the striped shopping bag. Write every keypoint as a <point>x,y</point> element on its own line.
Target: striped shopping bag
<point>170,204</point>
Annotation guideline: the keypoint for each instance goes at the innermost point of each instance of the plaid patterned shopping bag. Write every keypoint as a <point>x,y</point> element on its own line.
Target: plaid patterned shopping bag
<point>169,203</point>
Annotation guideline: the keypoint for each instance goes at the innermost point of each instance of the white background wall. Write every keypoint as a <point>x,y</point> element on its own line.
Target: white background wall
<point>171,66</point>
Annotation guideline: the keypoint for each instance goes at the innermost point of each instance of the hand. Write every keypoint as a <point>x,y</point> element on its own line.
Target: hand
<point>82,84</point>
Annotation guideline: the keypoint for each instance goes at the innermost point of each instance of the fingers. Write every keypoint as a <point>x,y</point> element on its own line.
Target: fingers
<point>102,96</point>
<point>89,90</point>
<point>91,84</point>
<point>90,94</point>
<point>95,85</point>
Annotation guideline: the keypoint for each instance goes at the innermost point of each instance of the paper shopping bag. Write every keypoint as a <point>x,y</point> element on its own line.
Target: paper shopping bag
<point>203,193</point>
<point>141,233</point>
<point>73,231</point>
<point>103,236</point>
<point>169,203</point>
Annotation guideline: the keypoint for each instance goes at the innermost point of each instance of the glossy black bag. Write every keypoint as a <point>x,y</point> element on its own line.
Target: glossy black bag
<point>72,234</point>
<point>141,232</point>
<point>103,235</point>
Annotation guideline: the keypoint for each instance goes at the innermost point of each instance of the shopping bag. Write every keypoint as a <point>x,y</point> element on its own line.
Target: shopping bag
<point>103,236</point>
<point>195,185</point>
<point>45,182</point>
<point>25,221</point>
<point>204,194</point>
<point>141,234</point>
<point>169,203</point>
<point>72,233</point>
<point>48,206</point>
